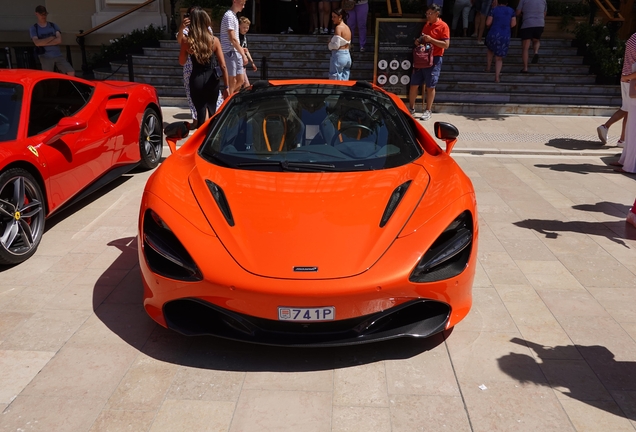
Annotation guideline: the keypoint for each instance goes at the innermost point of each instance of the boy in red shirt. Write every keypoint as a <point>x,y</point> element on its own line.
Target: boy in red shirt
<point>437,34</point>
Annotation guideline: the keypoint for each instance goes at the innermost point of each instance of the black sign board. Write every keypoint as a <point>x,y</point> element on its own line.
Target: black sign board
<point>394,43</point>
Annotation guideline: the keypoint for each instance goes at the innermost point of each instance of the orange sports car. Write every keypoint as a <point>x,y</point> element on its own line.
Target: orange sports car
<point>309,213</point>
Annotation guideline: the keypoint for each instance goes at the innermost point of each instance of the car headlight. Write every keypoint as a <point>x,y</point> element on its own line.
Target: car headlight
<point>164,253</point>
<point>449,255</point>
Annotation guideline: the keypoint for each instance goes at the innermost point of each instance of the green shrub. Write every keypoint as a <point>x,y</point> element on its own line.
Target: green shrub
<point>131,43</point>
<point>602,49</point>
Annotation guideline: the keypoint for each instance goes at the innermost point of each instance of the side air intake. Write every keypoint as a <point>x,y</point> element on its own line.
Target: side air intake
<point>395,199</point>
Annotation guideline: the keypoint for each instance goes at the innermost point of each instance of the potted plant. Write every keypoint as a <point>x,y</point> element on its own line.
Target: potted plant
<point>563,16</point>
<point>214,8</point>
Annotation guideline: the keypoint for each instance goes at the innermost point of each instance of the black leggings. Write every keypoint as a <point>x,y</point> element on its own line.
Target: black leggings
<point>204,90</point>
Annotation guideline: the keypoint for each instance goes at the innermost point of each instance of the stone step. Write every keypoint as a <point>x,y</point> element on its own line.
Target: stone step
<point>527,98</point>
<point>515,76</point>
<point>301,40</point>
<point>512,86</point>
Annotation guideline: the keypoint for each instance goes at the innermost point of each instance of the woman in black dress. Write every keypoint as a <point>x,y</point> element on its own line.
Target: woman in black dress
<point>205,81</point>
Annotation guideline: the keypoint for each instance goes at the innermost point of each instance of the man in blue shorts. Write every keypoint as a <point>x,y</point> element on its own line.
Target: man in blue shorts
<point>436,33</point>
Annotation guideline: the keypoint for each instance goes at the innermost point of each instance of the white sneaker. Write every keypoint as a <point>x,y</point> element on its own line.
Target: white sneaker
<point>631,218</point>
<point>620,143</point>
<point>426,115</point>
<point>324,30</point>
<point>602,133</point>
<point>412,111</point>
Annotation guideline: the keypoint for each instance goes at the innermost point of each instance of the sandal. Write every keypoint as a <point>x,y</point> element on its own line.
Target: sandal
<point>523,71</point>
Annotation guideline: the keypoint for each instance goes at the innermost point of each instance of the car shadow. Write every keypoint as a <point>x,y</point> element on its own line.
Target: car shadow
<point>120,308</point>
<point>589,374</point>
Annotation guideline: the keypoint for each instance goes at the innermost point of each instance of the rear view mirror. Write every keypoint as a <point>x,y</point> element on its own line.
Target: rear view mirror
<point>446,132</point>
<point>65,126</point>
<point>174,132</point>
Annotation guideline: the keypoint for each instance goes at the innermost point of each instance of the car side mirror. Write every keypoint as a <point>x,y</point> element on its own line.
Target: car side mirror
<point>65,126</point>
<point>174,132</point>
<point>448,133</point>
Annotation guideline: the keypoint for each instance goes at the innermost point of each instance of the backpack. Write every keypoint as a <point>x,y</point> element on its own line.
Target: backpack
<point>38,49</point>
<point>423,56</point>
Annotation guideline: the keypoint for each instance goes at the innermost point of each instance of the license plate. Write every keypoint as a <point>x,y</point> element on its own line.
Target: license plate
<point>306,314</point>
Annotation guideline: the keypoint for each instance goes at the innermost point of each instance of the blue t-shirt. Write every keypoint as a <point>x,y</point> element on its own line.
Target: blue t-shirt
<point>46,32</point>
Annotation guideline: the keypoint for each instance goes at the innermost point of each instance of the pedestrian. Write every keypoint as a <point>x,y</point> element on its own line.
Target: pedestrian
<point>324,9</point>
<point>436,33</point>
<point>628,60</point>
<point>533,14</point>
<point>502,19</point>
<point>358,19</point>
<point>627,161</point>
<point>205,80</point>
<point>340,63</point>
<point>287,16</point>
<point>631,215</point>
<point>182,35</point>
<point>482,11</point>
<point>244,26</point>
<point>47,37</point>
<point>234,55</point>
<point>461,9</point>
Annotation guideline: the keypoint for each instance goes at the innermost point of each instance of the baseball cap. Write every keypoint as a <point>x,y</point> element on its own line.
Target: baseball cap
<point>41,10</point>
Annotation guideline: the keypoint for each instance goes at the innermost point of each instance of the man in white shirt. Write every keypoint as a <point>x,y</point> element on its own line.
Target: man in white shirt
<point>234,54</point>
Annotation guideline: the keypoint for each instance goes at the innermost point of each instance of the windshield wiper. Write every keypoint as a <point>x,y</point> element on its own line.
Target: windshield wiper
<point>291,166</point>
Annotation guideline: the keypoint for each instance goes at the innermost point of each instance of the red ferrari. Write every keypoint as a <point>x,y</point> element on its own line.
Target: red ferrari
<point>310,212</point>
<point>62,138</point>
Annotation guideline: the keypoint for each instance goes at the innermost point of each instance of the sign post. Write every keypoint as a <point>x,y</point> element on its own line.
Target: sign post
<point>393,60</point>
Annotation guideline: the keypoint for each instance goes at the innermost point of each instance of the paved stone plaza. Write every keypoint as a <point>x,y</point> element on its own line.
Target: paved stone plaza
<point>549,345</point>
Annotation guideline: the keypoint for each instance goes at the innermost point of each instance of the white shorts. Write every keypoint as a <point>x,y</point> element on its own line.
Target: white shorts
<point>234,63</point>
<point>625,96</point>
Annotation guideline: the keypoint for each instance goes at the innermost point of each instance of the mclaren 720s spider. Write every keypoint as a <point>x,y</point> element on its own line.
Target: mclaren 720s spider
<point>310,213</point>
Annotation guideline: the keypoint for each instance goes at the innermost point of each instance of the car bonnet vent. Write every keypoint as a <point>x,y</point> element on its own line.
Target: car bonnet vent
<point>395,199</point>
<point>221,201</point>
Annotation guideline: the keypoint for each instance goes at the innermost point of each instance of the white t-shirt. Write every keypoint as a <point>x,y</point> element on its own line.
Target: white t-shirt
<point>229,22</point>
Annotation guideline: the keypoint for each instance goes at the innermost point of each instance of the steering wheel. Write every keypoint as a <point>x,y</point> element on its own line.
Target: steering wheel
<point>356,126</point>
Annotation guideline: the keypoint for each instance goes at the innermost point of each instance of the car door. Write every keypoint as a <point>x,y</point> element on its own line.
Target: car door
<point>76,159</point>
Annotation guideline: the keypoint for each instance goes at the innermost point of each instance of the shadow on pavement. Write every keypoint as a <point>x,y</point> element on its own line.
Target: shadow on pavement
<point>616,231</point>
<point>575,144</point>
<point>605,207</point>
<point>589,374</point>
<point>120,308</point>
<point>583,168</point>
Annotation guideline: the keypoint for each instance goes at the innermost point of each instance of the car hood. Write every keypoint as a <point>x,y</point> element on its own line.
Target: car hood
<point>307,225</point>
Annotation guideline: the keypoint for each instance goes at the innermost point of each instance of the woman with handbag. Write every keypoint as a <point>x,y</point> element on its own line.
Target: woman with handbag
<point>200,45</point>
<point>357,11</point>
<point>340,63</point>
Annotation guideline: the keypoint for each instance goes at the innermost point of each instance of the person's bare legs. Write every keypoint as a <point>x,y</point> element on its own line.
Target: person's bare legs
<point>430,95</point>
<point>536,43</point>
<point>525,45</point>
<point>236,82</point>
<point>313,17</point>
<point>413,91</point>
<point>482,26</point>
<point>498,66</point>
<point>618,115</point>
<point>324,11</point>
<point>489,55</point>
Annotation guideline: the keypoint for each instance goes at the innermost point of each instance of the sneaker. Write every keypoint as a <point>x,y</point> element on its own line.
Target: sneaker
<point>290,30</point>
<point>316,31</point>
<point>412,111</point>
<point>620,143</point>
<point>324,31</point>
<point>631,218</point>
<point>361,49</point>
<point>331,31</point>
<point>426,115</point>
<point>602,133</point>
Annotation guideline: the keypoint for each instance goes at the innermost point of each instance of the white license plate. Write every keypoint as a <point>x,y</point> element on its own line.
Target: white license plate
<point>306,314</point>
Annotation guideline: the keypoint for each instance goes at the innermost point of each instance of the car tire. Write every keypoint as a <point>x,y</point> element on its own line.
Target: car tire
<point>150,139</point>
<point>22,216</point>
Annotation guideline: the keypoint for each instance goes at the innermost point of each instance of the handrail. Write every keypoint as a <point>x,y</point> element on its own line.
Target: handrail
<point>112,20</point>
<point>609,10</point>
<point>82,34</point>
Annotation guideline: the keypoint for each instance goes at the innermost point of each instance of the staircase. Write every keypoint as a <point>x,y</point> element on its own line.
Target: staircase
<point>559,84</point>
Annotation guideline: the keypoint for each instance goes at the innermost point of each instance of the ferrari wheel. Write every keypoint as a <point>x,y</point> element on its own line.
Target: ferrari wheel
<point>21,216</point>
<point>150,139</point>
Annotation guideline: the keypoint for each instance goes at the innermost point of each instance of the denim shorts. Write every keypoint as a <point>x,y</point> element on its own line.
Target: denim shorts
<point>428,76</point>
<point>234,63</point>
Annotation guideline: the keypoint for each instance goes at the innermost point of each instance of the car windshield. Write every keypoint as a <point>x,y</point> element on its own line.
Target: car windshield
<point>310,128</point>
<point>10,105</point>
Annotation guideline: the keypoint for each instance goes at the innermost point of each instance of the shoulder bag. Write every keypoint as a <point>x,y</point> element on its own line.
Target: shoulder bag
<point>348,4</point>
